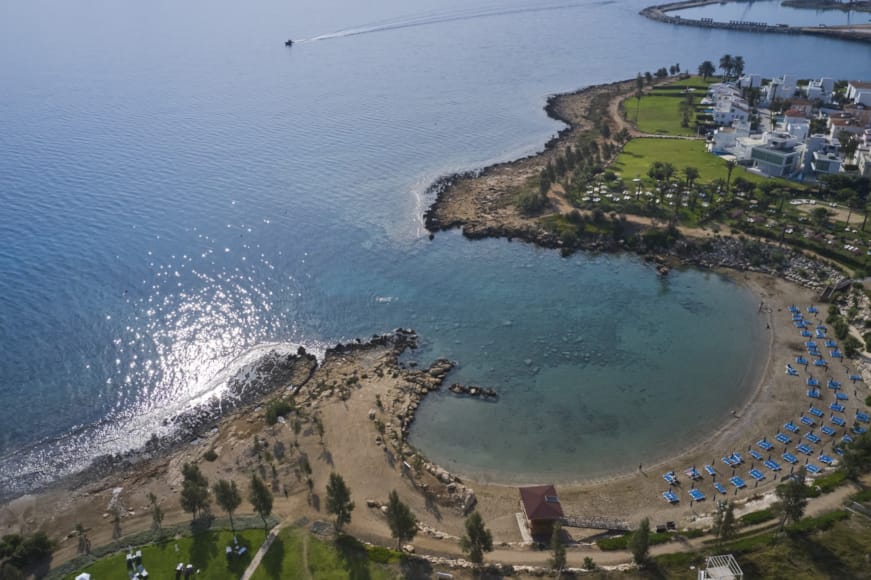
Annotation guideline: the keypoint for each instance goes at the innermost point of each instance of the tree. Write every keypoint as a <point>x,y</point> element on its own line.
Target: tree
<point>707,69</point>
<point>260,497</point>
<point>738,65</point>
<point>227,496</point>
<point>727,64</point>
<point>156,512</point>
<point>691,173</point>
<point>477,540</point>
<point>558,547</point>
<point>639,91</point>
<point>820,216</point>
<point>403,524</point>
<point>857,456</point>
<point>339,500</point>
<point>792,498</point>
<point>730,166</point>
<point>724,521</point>
<point>640,542</point>
<point>195,490</point>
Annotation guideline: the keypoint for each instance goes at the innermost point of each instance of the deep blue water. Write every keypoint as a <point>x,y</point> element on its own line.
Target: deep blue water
<point>179,191</point>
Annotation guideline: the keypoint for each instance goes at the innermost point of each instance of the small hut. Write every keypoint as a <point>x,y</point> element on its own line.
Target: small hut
<point>542,509</point>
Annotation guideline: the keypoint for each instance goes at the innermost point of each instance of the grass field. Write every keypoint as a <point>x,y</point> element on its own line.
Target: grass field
<point>295,554</point>
<point>659,111</point>
<point>639,154</point>
<point>834,553</point>
<point>205,551</point>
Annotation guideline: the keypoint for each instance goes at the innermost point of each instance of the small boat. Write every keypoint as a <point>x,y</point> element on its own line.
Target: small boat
<point>289,42</point>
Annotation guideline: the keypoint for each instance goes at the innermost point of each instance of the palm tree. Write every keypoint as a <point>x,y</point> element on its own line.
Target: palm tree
<point>727,64</point>
<point>706,69</point>
<point>691,173</point>
<point>730,166</point>
<point>738,65</point>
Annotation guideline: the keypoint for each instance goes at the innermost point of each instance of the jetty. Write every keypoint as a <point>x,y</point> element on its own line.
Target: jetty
<point>661,13</point>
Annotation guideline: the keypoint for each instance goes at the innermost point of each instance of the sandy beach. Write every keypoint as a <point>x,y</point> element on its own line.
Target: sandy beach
<point>344,393</point>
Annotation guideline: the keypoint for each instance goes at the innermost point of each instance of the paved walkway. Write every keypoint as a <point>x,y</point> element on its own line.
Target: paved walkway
<point>255,561</point>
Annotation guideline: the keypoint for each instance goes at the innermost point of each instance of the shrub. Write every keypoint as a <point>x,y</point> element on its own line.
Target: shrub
<point>863,496</point>
<point>210,455</point>
<point>756,517</point>
<point>823,522</point>
<point>829,482</point>
<point>277,408</point>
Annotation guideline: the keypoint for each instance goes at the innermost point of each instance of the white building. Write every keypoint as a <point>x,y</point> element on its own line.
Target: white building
<point>728,110</point>
<point>721,568</point>
<point>778,155</point>
<point>750,81</point>
<point>822,89</point>
<point>859,92</point>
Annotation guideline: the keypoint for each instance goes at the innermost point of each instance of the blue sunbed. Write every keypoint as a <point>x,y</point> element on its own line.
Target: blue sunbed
<point>827,430</point>
<point>814,393</point>
<point>792,372</point>
<point>793,308</point>
<point>696,494</point>
<point>847,439</point>
<point>772,465</point>
<point>737,458</point>
<point>831,344</point>
<point>838,421</point>
<point>821,362</point>
<point>825,459</point>
<point>805,333</point>
<point>805,448</point>
<point>836,354</point>
<point>764,444</point>
<point>812,438</point>
<point>811,468</point>
<point>807,421</point>
<point>855,378</point>
<point>737,482</point>
<point>781,438</point>
<point>729,461</point>
<point>755,455</point>
<point>757,475</point>
<point>833,384</point>
<point>815,412</point>
<point>812,309</point>
<point>812,382</point>
<point>711,471</point>
<point>800,324</point>
<point>670,496</point>
<point>790,458</point>
<point>859,429</point>
<point>670,477</point>
<point>790,427</point>
<point>719,487</point>
<point>693,473</point>
<point>842,397</point>
<point>863,417</point>
<point>837,407</point>
<point>801,360</point>
<point>823,326</point>
<point>839,451</point>
<point>820,334</point>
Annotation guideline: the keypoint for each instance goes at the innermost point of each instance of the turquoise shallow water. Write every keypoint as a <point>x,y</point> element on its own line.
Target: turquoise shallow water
<point>179,191</point>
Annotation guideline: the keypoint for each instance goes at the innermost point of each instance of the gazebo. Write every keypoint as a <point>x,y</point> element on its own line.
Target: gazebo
<point>541,507</point>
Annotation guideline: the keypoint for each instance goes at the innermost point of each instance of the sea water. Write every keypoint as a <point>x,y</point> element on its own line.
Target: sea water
<point>179,192</point>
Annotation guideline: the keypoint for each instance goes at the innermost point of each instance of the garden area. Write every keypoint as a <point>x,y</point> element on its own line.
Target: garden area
<point>670,109</point>
<point>206,552</point>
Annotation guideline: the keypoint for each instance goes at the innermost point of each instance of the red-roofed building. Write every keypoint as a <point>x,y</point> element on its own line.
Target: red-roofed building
<point>542,509</point>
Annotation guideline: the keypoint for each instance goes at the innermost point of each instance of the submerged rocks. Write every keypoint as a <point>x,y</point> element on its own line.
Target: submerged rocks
<point>473,391</point>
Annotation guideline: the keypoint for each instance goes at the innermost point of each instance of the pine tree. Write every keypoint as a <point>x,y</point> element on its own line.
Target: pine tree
<point>640,542</point>
<point>558,547</point>
<point>260,497</point>
<point>339,500</point>
<point>477,540</point>
<point>227,496</point>
<point>403,524</point>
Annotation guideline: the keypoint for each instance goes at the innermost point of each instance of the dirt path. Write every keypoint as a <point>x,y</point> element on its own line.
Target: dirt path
<point>258,557</point>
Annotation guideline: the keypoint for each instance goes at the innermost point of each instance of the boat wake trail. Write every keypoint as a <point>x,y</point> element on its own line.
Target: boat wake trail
<point>445,16</point>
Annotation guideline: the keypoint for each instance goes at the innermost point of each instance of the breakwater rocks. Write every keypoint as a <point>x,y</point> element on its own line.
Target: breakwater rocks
<point>473,391</point>
<point>660,13</point>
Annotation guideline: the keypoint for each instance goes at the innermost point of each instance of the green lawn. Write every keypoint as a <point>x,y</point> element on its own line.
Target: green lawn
<point>206,551</point>
<point>639,154</point>
<point>660,114</point>
<point>659,111</point>
<point>294,550</point>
